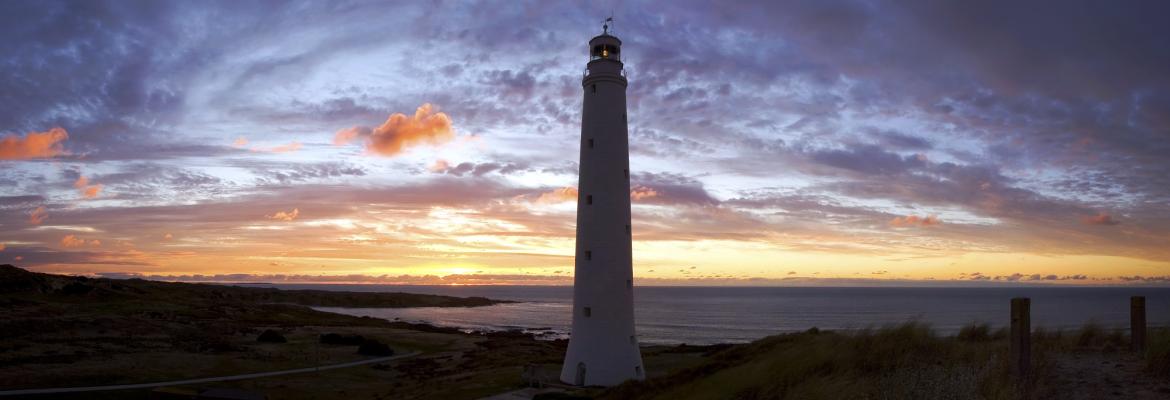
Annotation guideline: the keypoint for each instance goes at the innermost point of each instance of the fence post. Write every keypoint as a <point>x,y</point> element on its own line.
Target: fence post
<point>1137,324</point>
<point>1021,341</point>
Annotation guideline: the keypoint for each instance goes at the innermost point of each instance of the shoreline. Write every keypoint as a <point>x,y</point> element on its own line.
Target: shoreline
<point>555,333</point>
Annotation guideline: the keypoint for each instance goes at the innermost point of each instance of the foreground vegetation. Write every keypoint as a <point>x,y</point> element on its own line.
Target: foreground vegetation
<point>63,331</point>
<point>58,331</point>
<point>907,361</point>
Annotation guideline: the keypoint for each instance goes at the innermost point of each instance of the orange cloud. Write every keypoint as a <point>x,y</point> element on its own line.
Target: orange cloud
<point>74,241</point>
<point>400,132</point>
<point>559,195</point>
<point>642,192</point>
<point>168,237</point>
<point>344,136</point>
<point>242,142</point>
<point>914,220</point>
<point>285,216</point>
<point>439,166</point>
<point>33,145</point>
<point>88,191</point>
<point>1100,219</point>
<point>286,148</point>
<point>38,216</point>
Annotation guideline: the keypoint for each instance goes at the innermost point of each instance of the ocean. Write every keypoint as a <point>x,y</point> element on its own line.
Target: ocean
<point>708,315</point>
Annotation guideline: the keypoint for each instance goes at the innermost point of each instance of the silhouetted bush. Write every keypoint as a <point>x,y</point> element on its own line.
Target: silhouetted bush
<point>348,340</point>
<point>271,336</point>
<point>372,347</point>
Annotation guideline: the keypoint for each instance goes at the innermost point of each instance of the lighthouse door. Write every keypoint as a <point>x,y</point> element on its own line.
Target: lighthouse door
<point>580,381</point>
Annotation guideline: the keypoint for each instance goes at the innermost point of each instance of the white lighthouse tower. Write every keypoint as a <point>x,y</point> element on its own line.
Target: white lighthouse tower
<point>603,349</point>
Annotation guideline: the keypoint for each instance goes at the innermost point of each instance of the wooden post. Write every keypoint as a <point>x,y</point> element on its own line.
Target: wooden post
<point>1021,345</point>
<point>1137,324</point>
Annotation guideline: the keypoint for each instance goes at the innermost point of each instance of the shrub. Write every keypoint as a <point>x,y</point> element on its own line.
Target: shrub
<point>271,336</point>
<point>372,347</point>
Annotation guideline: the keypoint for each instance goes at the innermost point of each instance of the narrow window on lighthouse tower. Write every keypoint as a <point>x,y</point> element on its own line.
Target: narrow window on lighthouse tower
<point>630,285</point>
<point>628,230</point>
<point>627,173</point>
<point>594,87</point>
<point>589,199</point>
<point>588,255</point>
<point>588,312</point>
<point>591,143</point>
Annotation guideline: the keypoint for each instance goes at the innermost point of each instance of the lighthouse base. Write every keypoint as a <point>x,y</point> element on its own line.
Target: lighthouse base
<point>600,366</point>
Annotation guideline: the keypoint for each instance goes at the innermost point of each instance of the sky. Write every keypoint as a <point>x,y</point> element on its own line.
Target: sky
<point>771,143</point>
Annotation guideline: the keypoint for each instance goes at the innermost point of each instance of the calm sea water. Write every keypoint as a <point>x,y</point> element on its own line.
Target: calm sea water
<point>705,315</point>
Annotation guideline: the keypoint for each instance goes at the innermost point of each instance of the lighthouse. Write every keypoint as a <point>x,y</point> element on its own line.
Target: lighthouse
<point>603,349</point>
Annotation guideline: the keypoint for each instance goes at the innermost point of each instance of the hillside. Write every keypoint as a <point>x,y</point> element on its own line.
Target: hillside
<point>14,280</point>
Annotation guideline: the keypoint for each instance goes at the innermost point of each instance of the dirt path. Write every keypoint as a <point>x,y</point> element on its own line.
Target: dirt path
<point>1093,375</point>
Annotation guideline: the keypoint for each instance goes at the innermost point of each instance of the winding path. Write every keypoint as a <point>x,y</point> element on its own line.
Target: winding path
<point>203,380</point>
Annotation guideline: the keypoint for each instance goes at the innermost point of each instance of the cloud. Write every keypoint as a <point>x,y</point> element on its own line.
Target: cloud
<point>670,189</point>
<point>33,145</point>
<point>284,173</point>
<point>1100,219</point>
<point>439,166</point>
<point>2,246</point>
<point>285,148</point>
<point>1151,279</point>
<point>74,241</point>
<point>401,132</point>
<point>901,140</point>
<point>168,236</point>
<point>639,193</point>
<point>38,216</point>
<point>559,195</point>
<point>478,169</point>
<point>914,220</point>
<point>285,216</point>
<point>242,142</point>
<point>1018,277</point>
<point>87,191</point>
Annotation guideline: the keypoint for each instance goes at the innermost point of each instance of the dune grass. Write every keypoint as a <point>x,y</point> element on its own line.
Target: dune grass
<point>1158,352</point>
<point>907,361</point>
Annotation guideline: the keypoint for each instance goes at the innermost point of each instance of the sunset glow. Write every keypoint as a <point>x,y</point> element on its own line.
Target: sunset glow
<point>438,144</point>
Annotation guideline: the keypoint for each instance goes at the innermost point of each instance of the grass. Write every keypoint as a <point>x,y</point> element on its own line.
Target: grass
<point>907,361</point>
<point>1158,352</point>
